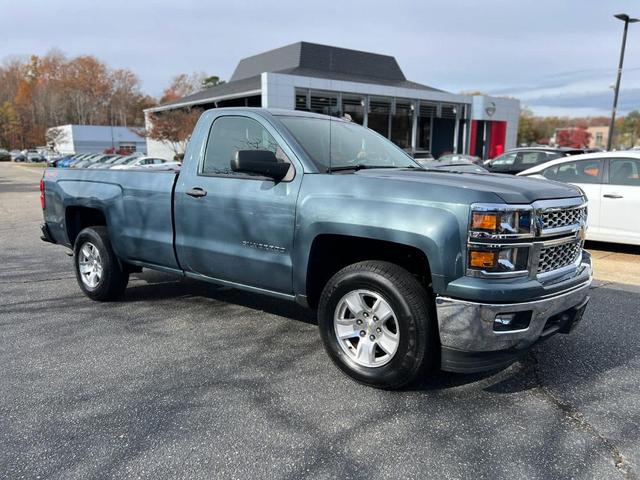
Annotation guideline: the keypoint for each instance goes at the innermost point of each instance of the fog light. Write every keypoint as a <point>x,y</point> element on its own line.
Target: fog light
<point>505,319</point>
<point>512,322</point>
<point>482,259</point>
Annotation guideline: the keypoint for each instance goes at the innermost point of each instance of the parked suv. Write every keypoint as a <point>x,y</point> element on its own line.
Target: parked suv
<point>519,159</point>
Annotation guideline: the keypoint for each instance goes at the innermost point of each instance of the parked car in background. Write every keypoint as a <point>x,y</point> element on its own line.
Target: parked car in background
<point>18,156</point>
<point>452,165</point>
<point>102,161</point>
<point>5,156</point>
<point>67,161</point>
<point>110,162</point>
<point>124,160</point>
<point>456,157</point>
<point>86,161</point>
<point>421,155</point>
<point>611,182</point>
<point>519,159</point>
<point>34,156</point>
<point>147,163</point>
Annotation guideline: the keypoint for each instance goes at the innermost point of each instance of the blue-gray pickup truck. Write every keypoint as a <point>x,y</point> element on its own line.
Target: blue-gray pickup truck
<point>409,269</point>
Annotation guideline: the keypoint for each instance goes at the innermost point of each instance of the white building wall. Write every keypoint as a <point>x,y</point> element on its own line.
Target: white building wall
<point>504,109</point>
<point>278,90</point>
<point>64,143</point>
<point>97,138</point>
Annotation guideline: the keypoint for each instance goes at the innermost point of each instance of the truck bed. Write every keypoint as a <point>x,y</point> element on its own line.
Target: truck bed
<point>138,202</point>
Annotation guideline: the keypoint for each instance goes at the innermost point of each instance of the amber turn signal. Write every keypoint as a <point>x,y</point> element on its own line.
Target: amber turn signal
<point>484,221</point>
<point>482,259</point>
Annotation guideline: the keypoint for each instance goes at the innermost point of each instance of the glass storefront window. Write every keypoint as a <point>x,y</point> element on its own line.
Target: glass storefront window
<point>379,112</point>
<point>352,105</point>
<point>426,113</point>
<point>401,124</point>
<point>324,102</point>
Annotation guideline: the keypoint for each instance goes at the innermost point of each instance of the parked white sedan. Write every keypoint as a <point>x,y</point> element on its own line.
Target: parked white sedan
<point>611,181</point>
<point>131,163</point>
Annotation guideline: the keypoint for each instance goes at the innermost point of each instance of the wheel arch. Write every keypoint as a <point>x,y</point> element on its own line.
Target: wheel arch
<point>330,252</point>
<point>78,218</point>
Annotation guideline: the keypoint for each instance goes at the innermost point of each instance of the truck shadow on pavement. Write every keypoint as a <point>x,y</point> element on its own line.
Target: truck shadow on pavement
<point>211,371</point>
<point>149,286</point>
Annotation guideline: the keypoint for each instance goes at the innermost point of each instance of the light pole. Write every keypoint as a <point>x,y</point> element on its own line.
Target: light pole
<point>627,20</point>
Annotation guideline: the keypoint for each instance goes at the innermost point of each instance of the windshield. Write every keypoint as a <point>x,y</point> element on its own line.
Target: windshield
<point>345,145</point>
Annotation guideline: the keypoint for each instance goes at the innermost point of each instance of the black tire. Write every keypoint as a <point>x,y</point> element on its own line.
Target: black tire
<point>418,345</point>
<point>113,280</point>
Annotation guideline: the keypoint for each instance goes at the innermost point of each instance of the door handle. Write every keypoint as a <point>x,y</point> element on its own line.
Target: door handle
<point>196,192</point>
<point>612,195</point>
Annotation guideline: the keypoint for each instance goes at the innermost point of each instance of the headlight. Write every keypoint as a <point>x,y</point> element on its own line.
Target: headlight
<point>501,221</point>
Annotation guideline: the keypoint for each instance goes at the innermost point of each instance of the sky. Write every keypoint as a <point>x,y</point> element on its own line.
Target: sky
<point>559,57</point>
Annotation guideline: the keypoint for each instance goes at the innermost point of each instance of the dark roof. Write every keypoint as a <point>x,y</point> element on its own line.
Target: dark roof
<point>312,72</point>
<point>308,60</point>
<point>320,57</point>
<point>230,88</point>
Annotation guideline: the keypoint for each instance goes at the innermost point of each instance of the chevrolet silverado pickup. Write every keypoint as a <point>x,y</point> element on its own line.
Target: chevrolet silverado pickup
<point>409,269</point>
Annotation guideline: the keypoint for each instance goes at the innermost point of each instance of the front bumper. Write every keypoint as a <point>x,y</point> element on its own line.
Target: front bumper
<point>470,343</point>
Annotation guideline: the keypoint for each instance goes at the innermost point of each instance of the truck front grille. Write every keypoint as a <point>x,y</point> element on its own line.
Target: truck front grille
<point>558,218</point>
<point>558,256</point>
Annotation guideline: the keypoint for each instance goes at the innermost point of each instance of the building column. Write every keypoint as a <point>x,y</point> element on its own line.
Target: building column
<point>456,129</point>
<point>415,104</point>
<point>365,120</point>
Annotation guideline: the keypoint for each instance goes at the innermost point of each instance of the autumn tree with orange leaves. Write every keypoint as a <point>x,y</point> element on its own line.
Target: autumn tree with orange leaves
<point>53,90</point>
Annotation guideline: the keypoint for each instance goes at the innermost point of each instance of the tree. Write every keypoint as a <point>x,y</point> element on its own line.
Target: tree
<point>573,137</point>
<point>54,137</point>
<point>184,84</point>
<point>531,129</point>
<point>173,127</point>
<point>629,129</point>
<point>211,81</point>
<point>50,90</point>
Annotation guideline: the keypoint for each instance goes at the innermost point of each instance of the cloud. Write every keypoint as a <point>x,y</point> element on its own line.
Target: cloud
<point>600,101</point>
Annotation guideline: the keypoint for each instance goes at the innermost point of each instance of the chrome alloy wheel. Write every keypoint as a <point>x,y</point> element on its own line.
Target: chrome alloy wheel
<point>90,265</point>
<point>366,328</point>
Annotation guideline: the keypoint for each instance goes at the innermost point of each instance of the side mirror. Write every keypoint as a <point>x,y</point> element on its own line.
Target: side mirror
<point>262,162</point>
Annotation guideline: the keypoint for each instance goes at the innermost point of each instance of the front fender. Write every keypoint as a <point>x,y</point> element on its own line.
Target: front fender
<point>433,229</point>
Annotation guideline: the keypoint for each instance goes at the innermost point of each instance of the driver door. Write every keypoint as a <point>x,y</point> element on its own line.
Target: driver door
<point>233,226</point>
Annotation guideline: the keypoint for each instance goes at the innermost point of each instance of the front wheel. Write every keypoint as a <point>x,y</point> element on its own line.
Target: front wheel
<point>375,322</point>
<point>98,270</point>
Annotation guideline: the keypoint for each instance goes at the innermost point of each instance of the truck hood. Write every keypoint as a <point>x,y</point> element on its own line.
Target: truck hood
<point>509,188</point>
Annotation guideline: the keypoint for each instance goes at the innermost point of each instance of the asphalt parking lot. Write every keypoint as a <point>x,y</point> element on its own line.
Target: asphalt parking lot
<point>186,380</point>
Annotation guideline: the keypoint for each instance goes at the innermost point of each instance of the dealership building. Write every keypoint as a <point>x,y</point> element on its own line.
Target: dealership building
<point>368,87</point>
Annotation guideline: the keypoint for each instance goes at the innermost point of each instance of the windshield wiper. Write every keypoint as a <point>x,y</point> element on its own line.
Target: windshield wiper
<point>361,166</point>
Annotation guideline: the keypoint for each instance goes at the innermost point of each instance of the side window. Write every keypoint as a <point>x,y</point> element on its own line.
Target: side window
<point>583,171</point>
<point>230,134</point>
<point>624,171</point>
<point>551,173</point>
<point>506,159</point>
<point>529,159</point>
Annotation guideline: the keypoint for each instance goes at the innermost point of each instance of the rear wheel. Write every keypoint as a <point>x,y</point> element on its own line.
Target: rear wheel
<point>375,322</point>
<point>98,271</point>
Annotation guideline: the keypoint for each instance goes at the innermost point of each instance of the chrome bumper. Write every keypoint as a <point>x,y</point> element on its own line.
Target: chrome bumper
<point>469,326</point>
